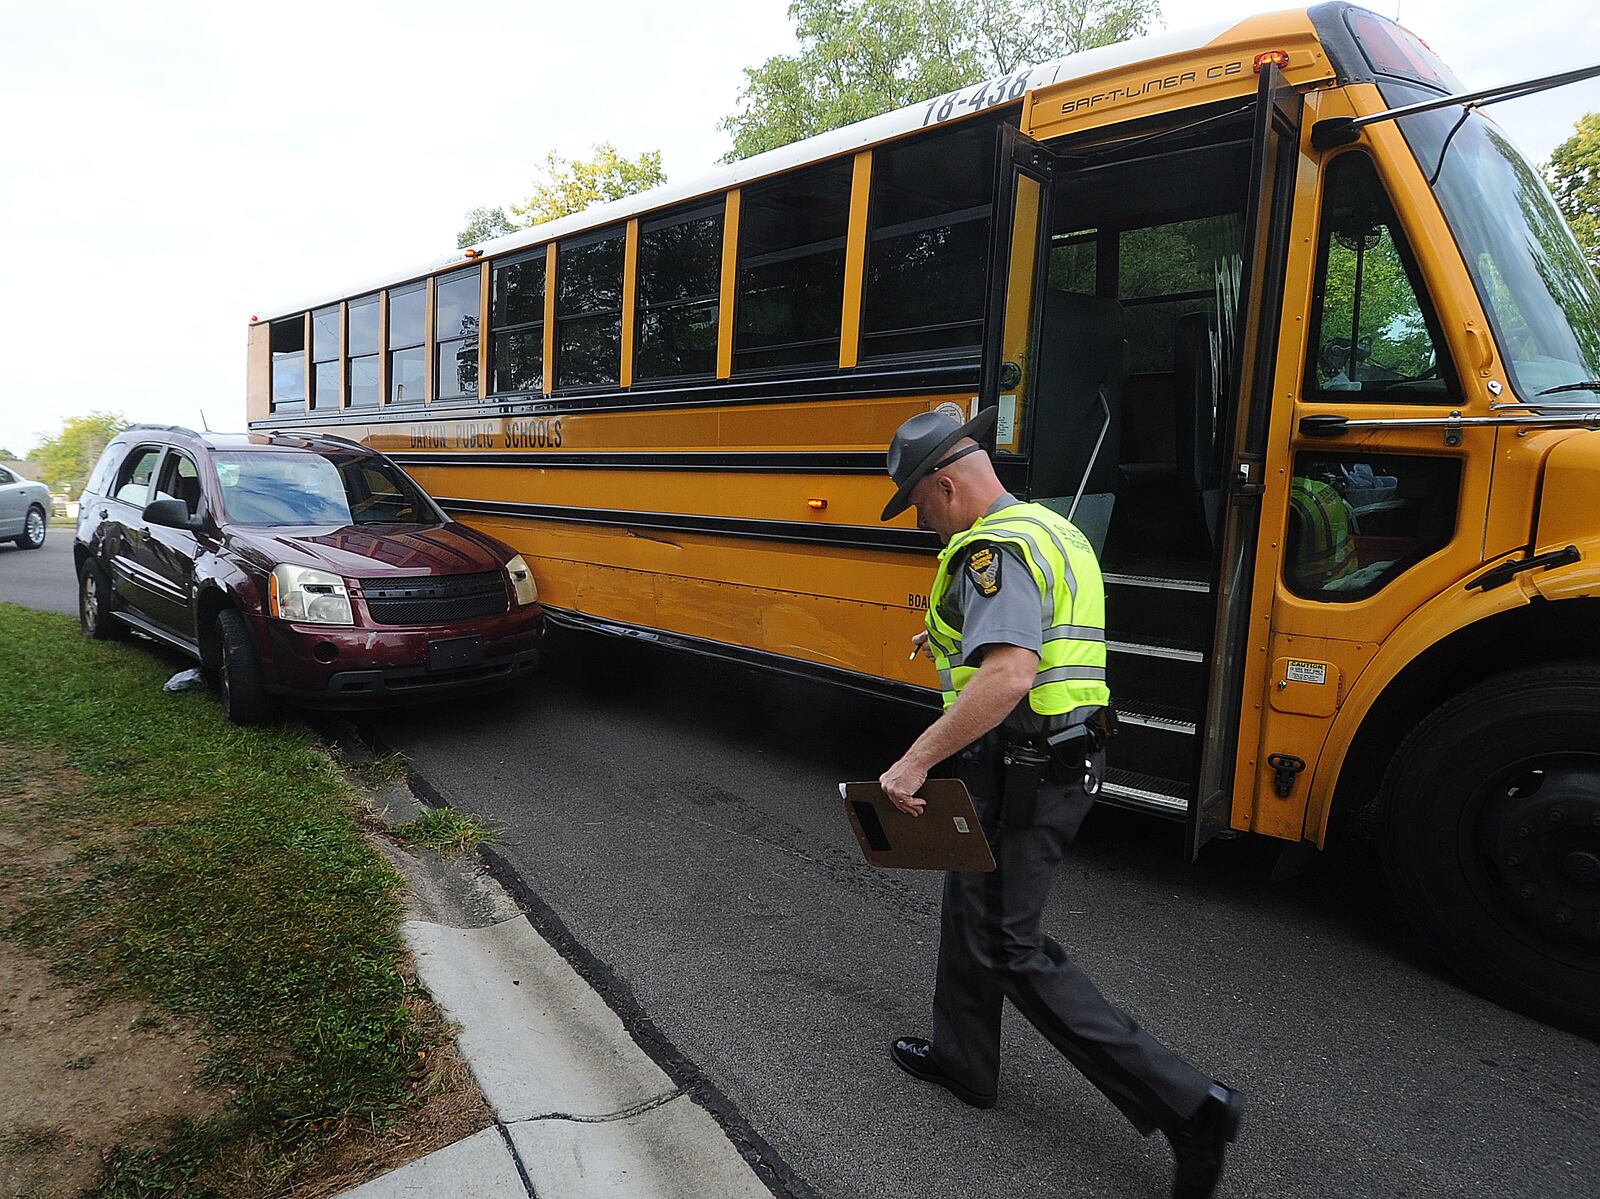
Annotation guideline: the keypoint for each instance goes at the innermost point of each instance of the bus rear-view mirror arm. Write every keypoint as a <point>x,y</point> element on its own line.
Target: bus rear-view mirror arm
<point>1339,131</point>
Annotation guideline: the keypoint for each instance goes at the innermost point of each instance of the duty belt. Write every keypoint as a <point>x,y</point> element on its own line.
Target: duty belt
<point>1087,730</point>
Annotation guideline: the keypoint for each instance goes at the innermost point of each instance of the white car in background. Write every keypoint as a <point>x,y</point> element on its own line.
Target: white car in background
<point>24,510</point>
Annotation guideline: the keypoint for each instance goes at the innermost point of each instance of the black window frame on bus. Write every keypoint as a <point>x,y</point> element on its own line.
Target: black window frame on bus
<point>504,333</point>
<point>577,292</point>
<point>416,351</point>
<point>321,357</point>
<point>366,357</point>
<point>1451,392</point>
<point>464,340</point>
<point>883,339</point>
<point>293,329</point>
<point>684,301</point>
<point>792,356</point>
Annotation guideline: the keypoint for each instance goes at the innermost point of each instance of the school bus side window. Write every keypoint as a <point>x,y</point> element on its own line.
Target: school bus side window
<point>589,310</point>
<point>289,363</point>
<point>455,333</point>
<point>928,245</point>
<point>361,345</point>
<point>1372,336</point>
<point>680,271</point>
<point>407,357</point>
<point>1357,521</point>
<point>516,323</point>
<point>325,357</point>
<point>790,297</point>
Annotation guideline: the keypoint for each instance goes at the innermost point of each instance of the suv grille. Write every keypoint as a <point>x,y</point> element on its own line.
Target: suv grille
<point>436,599</point>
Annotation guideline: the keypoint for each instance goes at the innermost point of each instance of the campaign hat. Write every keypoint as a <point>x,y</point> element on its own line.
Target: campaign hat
<point>919,447</point>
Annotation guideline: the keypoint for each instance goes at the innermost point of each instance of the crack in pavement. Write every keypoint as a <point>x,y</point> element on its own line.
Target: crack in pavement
<point>627,1113</point>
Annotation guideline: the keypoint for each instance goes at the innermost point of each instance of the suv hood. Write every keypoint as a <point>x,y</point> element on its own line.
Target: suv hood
<point>371,551</point>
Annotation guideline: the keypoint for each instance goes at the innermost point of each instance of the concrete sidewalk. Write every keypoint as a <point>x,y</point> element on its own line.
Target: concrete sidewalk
<point>581,1110</point>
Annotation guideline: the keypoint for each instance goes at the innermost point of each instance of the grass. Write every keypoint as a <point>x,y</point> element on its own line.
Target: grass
<point>445,830</point>
<point>380,773</point>
<point>221,873</point>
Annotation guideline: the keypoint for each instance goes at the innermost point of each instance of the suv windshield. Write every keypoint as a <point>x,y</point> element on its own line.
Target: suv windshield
<point>1540,294</point>
<point>274,487</point>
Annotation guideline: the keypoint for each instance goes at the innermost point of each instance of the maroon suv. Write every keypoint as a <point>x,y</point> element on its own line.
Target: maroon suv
<point>304,568</point>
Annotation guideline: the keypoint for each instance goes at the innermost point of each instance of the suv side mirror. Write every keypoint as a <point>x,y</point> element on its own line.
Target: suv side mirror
<point>172,514</point>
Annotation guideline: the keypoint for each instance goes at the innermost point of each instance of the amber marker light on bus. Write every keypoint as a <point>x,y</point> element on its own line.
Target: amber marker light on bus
<point>816,505</point>
<point>473,253</point>
<point>1275,58</point>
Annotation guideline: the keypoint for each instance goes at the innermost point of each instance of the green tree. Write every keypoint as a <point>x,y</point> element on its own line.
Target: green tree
<point>564,186</point>
<point>483,224</point>
<point>1574,178</point>
<point>859,58</point>
<point>65,460</point>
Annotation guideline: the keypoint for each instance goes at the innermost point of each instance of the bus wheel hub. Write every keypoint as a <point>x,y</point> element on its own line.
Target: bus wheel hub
<point>1543,829</point>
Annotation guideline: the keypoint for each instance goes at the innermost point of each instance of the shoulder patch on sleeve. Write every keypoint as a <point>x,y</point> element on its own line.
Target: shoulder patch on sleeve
<point>983,567</point>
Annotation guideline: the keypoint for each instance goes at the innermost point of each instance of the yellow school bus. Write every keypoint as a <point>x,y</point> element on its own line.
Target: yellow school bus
<point>1291,332</point>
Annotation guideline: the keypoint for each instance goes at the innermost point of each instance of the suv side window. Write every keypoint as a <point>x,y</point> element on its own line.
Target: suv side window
<point>100,477</point>
<point>180,481</point>
<point>133,480</point>
<point>6,477</point>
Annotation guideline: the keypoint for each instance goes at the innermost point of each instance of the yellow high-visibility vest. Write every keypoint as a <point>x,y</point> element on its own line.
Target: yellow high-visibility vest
<point>1072,661</point>
<point>1326,551</point>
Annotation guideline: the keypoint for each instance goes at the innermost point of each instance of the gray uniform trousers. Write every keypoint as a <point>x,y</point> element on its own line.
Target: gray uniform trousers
<point>992,947</point>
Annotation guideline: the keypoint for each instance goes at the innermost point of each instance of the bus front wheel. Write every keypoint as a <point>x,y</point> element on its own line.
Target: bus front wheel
<point>1491,817</point>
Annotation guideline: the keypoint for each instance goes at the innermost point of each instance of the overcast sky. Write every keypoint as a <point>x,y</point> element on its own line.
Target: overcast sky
<point>166,167</point>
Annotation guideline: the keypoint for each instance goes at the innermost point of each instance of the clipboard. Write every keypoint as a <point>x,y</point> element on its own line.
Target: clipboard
<point>947,836</point>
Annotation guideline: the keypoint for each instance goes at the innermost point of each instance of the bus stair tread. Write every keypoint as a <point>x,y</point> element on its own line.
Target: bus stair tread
<point>1178,650</point>
<point>1147,792</point>
<point>1162,574</point>
<point>1169,718</point>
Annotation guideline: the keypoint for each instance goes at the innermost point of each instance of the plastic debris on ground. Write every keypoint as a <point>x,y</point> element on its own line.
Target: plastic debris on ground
<point>186,680</point>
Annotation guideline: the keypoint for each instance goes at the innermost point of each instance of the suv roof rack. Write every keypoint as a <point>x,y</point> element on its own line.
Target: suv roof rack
<point>162,429</point>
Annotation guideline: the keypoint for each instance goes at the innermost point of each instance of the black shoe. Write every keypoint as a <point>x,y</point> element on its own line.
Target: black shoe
<point>1202,1142</point>
<point>915,1057</point>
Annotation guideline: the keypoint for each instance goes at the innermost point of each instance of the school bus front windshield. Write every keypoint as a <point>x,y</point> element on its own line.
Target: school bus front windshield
<point>1540,295</point>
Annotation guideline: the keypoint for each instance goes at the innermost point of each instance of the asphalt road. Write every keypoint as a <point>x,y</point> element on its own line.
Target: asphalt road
<point>41,578</point>
<point>680,818</point>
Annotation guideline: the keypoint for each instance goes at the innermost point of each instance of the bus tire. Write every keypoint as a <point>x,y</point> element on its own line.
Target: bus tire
<point>1491,839</point>
<point>95,600</point>
<point>239,672</point>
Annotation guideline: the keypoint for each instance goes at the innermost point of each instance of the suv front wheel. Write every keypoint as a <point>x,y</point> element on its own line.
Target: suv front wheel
<point>239,678</point>
<point>94,604</point>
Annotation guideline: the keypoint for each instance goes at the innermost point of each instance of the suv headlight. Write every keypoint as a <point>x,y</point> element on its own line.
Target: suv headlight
<point>309,596</point>
<point>522,581</point>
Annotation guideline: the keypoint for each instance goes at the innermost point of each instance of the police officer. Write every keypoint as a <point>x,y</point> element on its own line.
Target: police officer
<point>1016,628</point>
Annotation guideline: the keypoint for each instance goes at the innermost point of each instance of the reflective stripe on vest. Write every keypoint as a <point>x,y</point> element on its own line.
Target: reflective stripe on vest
<point>1072,658</point>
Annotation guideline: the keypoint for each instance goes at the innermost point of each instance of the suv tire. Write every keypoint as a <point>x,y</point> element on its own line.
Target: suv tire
<point>239,676</point>
<point>94,604</point>
<point>32,529</point>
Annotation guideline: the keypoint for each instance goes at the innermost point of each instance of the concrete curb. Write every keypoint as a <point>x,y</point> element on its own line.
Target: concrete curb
<point>589,1099</point>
